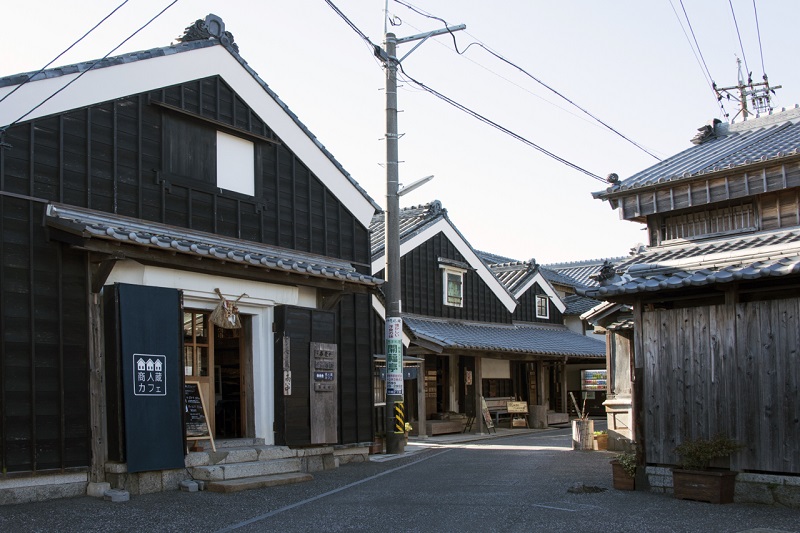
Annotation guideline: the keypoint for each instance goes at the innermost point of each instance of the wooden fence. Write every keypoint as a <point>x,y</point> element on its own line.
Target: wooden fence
<point>730,369</point>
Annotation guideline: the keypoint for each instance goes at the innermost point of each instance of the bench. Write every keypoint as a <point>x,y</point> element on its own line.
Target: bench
<point>554,419</point>
<point>498,407</point>
<point>440,427</point>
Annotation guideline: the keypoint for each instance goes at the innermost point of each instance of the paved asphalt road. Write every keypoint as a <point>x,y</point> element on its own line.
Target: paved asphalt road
<point>516,484</point>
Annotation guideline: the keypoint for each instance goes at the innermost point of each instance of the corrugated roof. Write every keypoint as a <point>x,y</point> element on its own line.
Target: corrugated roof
<point>119,229</point>
<point>770,137</point>
<point>555,341</point>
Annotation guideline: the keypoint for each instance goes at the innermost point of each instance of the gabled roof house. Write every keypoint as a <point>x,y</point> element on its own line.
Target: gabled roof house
<point>714,296</point>
<point>168,203</point>
<point>492,328</point>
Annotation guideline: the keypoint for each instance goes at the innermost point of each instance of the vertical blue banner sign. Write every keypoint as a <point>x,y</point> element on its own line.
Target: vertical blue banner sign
<point>394,356</point>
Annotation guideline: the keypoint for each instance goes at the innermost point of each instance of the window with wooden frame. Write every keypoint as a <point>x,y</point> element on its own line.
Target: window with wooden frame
<point>198,152</point>
<point>453,286</point>
<point>723,221</point>
<point>542,306</point>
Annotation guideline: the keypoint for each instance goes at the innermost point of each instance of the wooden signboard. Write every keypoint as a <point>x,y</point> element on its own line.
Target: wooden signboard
<point>487,417</point>
<point>519,413</point>
<point>196,417</point>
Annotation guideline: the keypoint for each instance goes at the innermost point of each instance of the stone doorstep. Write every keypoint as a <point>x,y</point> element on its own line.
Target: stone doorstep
<point>238,454</point>
<point>274,480</point>
<point>245,470</point>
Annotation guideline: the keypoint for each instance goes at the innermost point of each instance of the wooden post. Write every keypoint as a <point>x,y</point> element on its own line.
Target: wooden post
<point>97,393</point>
<point>564,385</point>
<point>637,395</point>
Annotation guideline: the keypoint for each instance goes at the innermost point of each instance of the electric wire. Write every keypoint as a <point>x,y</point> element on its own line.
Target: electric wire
<point>374,48</point>
<point>467,110</point>
<point>701,61</point>
<point>31,76</point>
<point>760,48</point>
<point>76,78</point>
<point>497,126</point>
<point>741,46</point>
<point>528,74</point>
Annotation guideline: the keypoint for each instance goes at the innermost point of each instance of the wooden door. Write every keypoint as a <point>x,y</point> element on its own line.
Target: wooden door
<point>198,357</point>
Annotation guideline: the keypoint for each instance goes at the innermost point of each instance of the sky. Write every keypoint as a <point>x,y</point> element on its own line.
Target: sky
<point>631,64</point>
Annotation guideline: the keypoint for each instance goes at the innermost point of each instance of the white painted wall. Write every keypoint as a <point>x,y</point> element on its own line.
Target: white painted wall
<point>496,369</point>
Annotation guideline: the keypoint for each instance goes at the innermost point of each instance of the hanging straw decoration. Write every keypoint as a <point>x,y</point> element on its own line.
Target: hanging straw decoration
<point>226,314</point>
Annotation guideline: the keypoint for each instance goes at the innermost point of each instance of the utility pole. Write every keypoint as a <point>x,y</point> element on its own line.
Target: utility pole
<point>758,93</point>
<point>395,408</point>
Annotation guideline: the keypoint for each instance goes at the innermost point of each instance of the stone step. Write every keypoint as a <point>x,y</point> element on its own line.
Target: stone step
<point>226,471</point>
<point>258,482</point>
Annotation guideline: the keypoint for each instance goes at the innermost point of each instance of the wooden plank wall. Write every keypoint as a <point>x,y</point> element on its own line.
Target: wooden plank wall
<point>724,369</point>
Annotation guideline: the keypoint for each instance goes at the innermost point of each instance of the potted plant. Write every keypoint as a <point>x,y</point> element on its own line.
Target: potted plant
<point>601,440</point>
<point>623,468</point>
<point>695,480</point>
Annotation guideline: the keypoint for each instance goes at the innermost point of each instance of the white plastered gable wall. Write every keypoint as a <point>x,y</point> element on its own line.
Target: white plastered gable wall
<point>118,81</point>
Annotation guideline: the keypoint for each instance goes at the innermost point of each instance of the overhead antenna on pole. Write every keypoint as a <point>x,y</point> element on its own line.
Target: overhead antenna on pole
<point>753,98</point>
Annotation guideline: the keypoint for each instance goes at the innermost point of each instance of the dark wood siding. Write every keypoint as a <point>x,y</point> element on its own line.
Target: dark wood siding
<point>423,286</point>
<point>44,369</point>
<point>128,157</point>
<point>526,310</point>
<point>355,323</point>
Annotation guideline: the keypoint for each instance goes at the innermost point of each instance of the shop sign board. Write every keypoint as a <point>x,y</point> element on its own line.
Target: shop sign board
<point>149,325</point>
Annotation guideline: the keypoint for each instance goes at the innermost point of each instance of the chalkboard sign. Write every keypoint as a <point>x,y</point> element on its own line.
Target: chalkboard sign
<point>196,419</point>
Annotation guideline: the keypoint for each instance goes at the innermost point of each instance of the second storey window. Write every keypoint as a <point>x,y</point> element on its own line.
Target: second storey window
<point>454,287</point>
<point>199,153</point>
<point>542,307</point>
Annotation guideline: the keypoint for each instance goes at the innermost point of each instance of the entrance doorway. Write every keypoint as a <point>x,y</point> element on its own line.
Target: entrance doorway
<point>214,357</point>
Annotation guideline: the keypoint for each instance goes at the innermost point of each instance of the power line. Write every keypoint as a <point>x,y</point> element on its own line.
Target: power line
<point>462,107</point>
<point>760,48</point>
<point>497,126</point>
<point>531,76</point>
<point>741,46</point>
<point>31,76</point>
<point>696,50</point>
<point>76,78</point>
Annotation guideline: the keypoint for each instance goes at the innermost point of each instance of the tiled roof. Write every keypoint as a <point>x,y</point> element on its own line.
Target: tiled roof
<point>759,255</point>
<point>182,47</point>
<point>766,138</point>
<point>577,305</point>
<point>412,221</point>
<point>119,229</point>
<point>493,259</point>
<point>554,276</point>
<point>532,340</point>
<point>514,275</point>
<point>577,273</point>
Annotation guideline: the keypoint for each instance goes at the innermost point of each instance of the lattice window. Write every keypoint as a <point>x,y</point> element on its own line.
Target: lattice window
<point>715,222</point>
